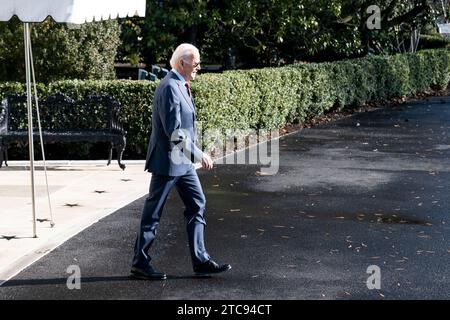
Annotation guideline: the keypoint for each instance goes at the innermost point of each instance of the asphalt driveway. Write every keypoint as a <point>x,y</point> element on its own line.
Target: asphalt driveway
<point>369,190</point>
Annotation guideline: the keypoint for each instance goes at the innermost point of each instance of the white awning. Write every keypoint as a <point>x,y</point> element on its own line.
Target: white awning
<point>70,11</point>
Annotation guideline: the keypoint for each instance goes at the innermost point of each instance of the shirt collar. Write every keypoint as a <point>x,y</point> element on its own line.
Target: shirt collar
<point>179,76</point>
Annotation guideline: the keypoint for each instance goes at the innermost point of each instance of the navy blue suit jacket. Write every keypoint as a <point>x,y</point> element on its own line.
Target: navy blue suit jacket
<point>171,149</point>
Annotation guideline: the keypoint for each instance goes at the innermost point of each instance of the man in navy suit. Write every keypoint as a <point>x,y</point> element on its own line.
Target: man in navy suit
<point>170,156</point>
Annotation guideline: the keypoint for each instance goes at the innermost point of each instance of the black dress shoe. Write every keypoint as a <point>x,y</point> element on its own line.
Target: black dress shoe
<point>147,274</point>
<point>210,267</point>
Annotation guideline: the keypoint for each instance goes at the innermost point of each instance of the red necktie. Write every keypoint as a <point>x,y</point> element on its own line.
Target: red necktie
<point>188,88</point>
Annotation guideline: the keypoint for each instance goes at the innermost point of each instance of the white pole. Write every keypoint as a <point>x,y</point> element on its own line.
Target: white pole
<point>52,223</point>
<point>26,31</point>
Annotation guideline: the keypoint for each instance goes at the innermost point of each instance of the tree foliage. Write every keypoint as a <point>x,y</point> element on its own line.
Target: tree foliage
<point>86,51</point>
<point>255,33</point>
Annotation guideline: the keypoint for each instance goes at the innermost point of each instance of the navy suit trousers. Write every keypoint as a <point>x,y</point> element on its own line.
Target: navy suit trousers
<point>190,191</point>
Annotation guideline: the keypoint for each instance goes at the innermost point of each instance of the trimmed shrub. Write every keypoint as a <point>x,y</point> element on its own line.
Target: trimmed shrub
<point>272,97</point>
<point>435,41</point>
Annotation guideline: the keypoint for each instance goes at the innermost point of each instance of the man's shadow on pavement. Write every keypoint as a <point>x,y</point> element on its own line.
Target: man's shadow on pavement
<point>63,281</point>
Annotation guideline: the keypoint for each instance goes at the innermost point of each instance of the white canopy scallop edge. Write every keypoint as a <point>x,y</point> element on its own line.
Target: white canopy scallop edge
<point>70,11</point>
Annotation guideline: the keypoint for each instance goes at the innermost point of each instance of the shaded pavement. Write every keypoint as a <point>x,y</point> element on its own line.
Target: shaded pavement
<point>371,189</point>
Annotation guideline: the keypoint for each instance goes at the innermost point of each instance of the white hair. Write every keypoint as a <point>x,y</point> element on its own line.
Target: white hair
<point>184,50</point>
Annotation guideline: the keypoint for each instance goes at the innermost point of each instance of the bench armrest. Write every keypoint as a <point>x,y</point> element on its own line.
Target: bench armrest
<point>116,123</point>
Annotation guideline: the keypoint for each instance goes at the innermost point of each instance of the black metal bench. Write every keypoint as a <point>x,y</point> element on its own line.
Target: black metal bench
<point>93,119</point>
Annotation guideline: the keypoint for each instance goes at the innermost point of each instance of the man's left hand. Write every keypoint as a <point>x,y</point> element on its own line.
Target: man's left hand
<point>207,162</point>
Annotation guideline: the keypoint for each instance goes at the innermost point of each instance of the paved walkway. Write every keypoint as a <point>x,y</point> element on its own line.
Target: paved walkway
<point>368,190</point>
<point>81,193</point>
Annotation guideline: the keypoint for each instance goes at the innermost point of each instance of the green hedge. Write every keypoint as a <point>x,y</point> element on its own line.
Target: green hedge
<point>134,96</point>
<point>435,41</point>
<point>272,97</point>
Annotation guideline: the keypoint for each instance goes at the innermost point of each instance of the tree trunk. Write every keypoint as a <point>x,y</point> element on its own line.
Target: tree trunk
<point>364,31</point>
<point>191,35</point>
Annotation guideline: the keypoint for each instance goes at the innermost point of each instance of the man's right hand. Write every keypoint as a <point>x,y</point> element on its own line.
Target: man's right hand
<point>207,162</point>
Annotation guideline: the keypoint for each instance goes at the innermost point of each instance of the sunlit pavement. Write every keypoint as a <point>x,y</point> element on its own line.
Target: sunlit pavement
<point>367,192</point>
<point>81,193</point>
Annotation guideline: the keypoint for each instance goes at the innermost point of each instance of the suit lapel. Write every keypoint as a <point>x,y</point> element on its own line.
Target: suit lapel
<point>189,101</point>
